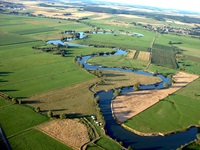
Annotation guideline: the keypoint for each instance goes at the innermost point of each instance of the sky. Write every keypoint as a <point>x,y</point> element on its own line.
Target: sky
<point>189,5</point>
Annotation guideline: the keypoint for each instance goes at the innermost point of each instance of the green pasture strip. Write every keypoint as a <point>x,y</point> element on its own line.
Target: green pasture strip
<point>117,61</point>
<point>9,39</point>
<point>176,112</point>
<point>34,139</point>
<point>136,55</point>
<point>153,68</point>
<point>93,146</point>
<point>17,118</point>
<point>107,143</point>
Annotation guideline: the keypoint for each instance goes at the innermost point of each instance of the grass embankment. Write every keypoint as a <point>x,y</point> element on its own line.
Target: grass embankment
<point>176,112</point>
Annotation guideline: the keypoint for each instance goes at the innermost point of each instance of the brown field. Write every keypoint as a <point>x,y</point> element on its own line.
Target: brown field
<point>68,131</point>
<point>116,79</point>
<point>75,100</point>
<point>128,105</point>
<point>131,54</point>
<point>144,56</point>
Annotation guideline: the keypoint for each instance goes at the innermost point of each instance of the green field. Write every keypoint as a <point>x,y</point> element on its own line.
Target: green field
<point>18,116</point>
<point>118,61</point>
<point>176,112</point>
<point>34,139</point>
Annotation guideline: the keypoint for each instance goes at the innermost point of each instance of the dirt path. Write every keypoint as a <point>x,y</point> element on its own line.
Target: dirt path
<point>126,106</point>
<point>68,131</point>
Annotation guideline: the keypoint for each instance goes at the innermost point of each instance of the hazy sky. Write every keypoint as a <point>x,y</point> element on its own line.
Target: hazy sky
<point>192,5</point>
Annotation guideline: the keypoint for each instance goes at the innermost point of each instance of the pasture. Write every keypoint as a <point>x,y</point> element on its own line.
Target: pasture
<point>118,61</point>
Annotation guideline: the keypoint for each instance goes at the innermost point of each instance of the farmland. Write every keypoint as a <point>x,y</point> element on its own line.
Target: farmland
<point>186,99</point>
<point>50,81</point>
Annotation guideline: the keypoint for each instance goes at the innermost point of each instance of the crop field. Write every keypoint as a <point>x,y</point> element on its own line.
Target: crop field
<point>183,107</point>
<point>70,132</point>
<point>164,58</point>
<point>37,140</point>
<point>144,56</point>
<point>131,54</point>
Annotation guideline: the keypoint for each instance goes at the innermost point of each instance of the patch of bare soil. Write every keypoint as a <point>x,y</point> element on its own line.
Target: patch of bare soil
<point>68,131</point>
<point>128,105</point>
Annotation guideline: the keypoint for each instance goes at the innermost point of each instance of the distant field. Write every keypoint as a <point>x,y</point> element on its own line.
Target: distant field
<point>34,139</point>
<point>183,107</point>
<point>190,45</point>
<point>122,41</point>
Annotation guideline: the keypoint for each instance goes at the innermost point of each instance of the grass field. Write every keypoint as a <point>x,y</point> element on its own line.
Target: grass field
<point>122,41</point>
<point>18,116</point>
<point>176,112</point>
<point>117,61</point>
<point>34,139</point>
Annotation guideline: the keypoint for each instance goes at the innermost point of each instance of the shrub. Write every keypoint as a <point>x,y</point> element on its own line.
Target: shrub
<point>49,114</point>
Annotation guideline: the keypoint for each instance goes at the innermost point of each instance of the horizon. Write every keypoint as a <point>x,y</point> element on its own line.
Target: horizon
<point>184,5</point>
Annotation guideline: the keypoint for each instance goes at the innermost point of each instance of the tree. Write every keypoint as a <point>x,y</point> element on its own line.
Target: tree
<point>117,92</point>
<point>37,109</point>
<point>49,114</point>
<point>63,116</point>
<point>136,87</point>
<point>14,100</point>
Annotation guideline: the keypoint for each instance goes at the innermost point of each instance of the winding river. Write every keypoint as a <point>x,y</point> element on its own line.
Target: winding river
<point>116,131</point>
